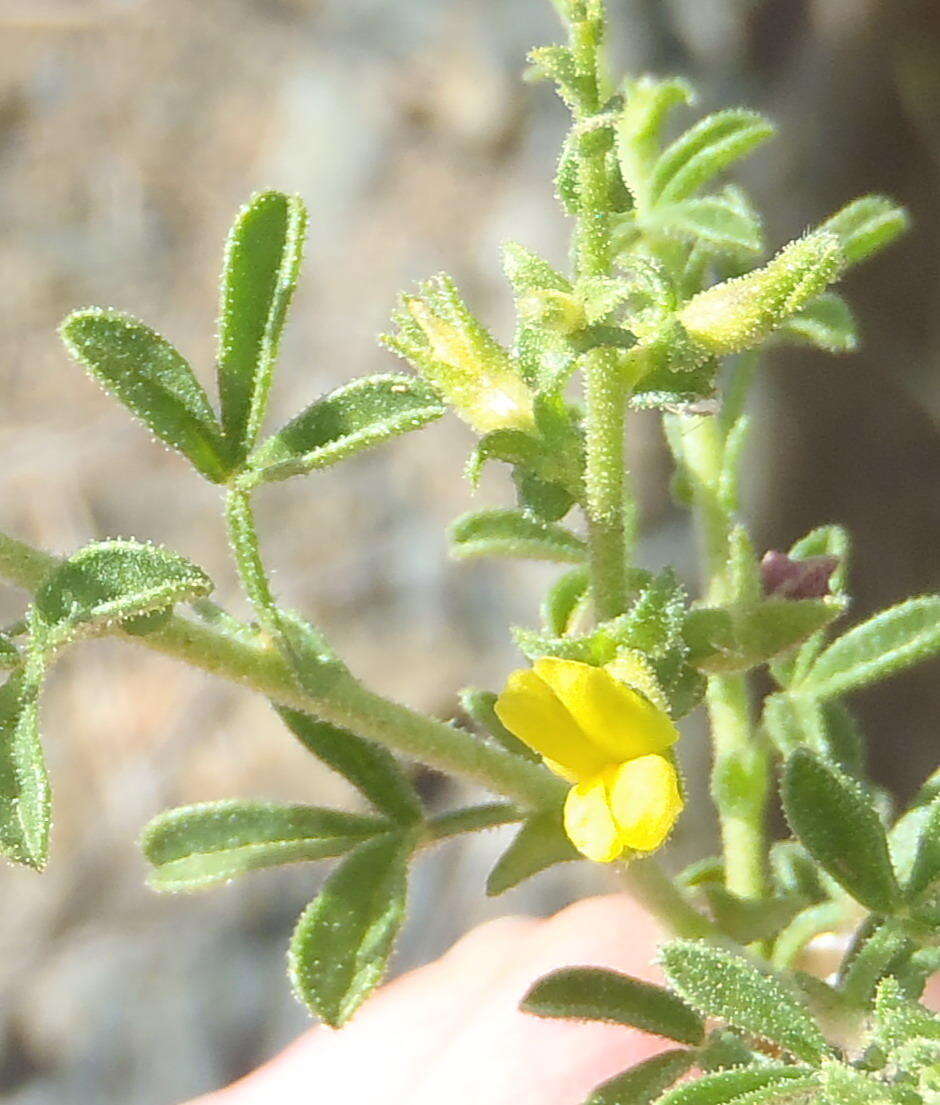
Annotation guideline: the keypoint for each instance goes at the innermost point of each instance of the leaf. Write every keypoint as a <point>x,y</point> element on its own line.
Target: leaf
<point>704,151</point>
<point>867,225</point>
<point>9,653</point>
<point>154,381</point>
<point>479,705</point>
<point>926,868</point>
<point>355,417</point>
<point>563,601</point>
<point>648,103</point>
<point>719,984</point>
<point>510,446</point>
<point>263,254</point>
<point>511,533</point>
<point>25,797</point>
<point>751,1085</point>
<point>527,272</point>
<point>369,767</point>
<point>827,322</point>
<point>839,826</point>
<point>195,846</point>
<point>716,220</point>
<point>595,994</point>
<point>341,945</point>
<point>746,920</point>
<point>110,581</point>
<point>768,629</point>
<point>887,643</point>
<point>642,1084</point>
<point>540,843</point>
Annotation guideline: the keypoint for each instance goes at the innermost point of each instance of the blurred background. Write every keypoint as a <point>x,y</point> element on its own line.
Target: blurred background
<point>130,130</point>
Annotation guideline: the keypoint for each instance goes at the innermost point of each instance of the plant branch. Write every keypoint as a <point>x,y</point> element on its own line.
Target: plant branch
<point>250,660</point>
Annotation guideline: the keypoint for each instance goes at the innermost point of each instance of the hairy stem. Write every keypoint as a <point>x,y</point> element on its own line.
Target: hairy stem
<point>250,660</point>
<point>657,892</point>
<point>741,770</point>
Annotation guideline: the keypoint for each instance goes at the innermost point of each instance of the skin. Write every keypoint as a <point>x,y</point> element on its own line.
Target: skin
<point>451,1031</point>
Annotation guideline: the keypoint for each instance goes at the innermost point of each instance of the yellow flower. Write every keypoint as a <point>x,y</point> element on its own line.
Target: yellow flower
<point>606,738</point>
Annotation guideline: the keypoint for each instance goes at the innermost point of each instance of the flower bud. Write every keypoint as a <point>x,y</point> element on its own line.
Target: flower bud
<point>740,313</point>
<point>448,346</point>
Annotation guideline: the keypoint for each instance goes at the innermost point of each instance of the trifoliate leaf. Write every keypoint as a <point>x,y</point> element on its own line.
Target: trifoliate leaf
<point>766,1084</point>
<point>838,824</point>
<point>369,767</point>
<point>350,419</point>
<point>512,533</point>
<point>642,1084</point>
<point>341,945</point>
<point>704,151</point>
<point>196,846</point>
<point>595,994</point>
<point>867,225</point>
<point>263,254</point>
<point>540,843</point>
<point>719,984</point>
<point>153,380</point>
<point>887,643</point>
<point>25,797</point>
<point>826,322</point>
<point>110,581</point>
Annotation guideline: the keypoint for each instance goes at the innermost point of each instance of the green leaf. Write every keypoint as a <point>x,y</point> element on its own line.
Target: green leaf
<point>704,151</point>
<point>341,945</point>
<point>25,796</point>
<point>9,653</point>
<point>564,600</point>
<point>887,643</point>
<point>355,417</point>
<point>642,1084</point>
<point>263,254</point>
<point>827,323</point>
<point>110,581</point>
<point>839,826</point>
<point>648,103</point>
<point>195,846</point>
<point>770,628</point>
<point>716,220</point>
<point>511,533</point>
<point>719,984</point>
<point>480,706</point>
<point>527,272</point>
<point>595,994</point>
<point>746,920</point>
<point>154,381</point>
<point>751,1085</point>
<point>369,767</point>
<point>925,871</point>
<point>510,446</point>
<point>867,225</point>
<point>540,843</point>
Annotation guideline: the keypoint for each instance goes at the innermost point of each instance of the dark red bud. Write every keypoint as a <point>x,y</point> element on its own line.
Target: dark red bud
<point>786,578</point>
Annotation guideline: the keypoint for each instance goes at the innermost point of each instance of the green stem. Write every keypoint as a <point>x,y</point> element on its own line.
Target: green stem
<point>657,892</point>
<point>740,773</point>
<point>250,660</point>
<point>605,480</point>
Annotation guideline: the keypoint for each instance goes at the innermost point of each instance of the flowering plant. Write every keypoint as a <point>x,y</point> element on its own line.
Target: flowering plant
<point>668,307</point>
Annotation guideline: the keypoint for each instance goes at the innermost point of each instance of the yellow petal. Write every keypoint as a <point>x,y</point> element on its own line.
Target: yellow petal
<point>621,723</point>
<point>529,709</point>
<point>645,801</point>
<point>589,823</point>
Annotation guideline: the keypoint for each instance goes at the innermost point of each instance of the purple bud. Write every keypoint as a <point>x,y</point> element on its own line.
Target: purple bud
<point>786,578</point>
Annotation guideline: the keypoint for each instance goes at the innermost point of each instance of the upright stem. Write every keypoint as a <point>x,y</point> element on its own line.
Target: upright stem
<point>605,390</point>
<point>740,768</point>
